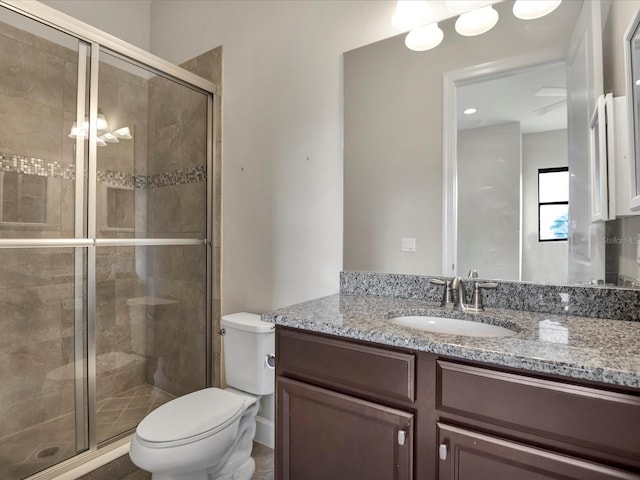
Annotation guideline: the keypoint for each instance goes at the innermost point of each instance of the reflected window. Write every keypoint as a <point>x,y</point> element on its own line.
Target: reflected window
<point>553,204</point>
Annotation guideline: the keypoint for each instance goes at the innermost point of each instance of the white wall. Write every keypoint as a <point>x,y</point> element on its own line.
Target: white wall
<point>282,134</point>
<point>129,21</point>
<point>616,17</point>
<point>542,262</point>
<point>489,201</point>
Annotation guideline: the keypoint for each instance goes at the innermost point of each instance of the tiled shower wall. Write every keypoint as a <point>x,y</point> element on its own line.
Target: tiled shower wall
<point>150,300</point>
<point>36,285</point>
<point>209,66</point>
<point>37,324</point>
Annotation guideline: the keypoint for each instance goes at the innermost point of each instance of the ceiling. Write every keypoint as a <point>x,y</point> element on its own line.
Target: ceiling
<point>512,98</point>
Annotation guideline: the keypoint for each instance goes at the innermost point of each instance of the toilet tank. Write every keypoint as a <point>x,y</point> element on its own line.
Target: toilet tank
<point>249,349</point>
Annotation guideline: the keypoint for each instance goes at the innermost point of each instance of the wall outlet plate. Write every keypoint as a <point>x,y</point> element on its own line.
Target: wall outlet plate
<point>408,244</point>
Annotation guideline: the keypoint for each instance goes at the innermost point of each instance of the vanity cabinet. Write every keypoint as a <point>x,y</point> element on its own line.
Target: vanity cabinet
<point>352,410</point>
<point>344,410</point>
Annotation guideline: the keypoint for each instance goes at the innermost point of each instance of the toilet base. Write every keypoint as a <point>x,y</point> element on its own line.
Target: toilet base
<point>244,472</point>
<point>237,464</point>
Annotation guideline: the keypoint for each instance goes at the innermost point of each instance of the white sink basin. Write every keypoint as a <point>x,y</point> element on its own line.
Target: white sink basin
<point>452,326</point>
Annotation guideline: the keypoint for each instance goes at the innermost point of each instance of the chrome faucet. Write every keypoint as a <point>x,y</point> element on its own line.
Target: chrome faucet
<point>447,296</point>
<point>458,287</point>
<point>454,295</point>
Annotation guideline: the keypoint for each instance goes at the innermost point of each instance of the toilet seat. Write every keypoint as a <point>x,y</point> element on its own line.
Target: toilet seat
<point>190,418</point>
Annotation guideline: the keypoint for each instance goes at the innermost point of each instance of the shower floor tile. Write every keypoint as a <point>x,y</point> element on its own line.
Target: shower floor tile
<point>43,445</point>
<point>123,412</point>
<point>37,448</point>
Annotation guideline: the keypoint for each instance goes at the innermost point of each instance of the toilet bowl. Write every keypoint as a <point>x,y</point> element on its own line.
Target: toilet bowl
<point>208,434</point>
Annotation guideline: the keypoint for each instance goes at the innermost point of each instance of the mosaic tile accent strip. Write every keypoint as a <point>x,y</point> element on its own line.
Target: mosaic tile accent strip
<point>36,166</point>
<point>116,179</point>
<point>48,168</point>
<point>614,303</point>
<point>178,177</point>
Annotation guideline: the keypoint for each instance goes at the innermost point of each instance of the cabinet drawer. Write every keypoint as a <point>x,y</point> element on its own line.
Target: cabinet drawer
<point>469,455</point>
<point>346,366</point>
<point>597,419</point>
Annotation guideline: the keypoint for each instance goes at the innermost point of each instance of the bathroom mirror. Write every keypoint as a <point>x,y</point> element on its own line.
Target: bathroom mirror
<point>632,63</point>
<point>395,182</point>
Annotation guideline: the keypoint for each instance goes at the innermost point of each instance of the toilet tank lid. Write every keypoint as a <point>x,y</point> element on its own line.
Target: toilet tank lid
<point>246,321</point>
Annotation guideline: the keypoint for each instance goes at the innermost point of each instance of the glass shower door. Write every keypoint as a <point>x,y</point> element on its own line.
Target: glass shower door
<point>105,250</point>
<point>151,257</point>
<point>43,249</point>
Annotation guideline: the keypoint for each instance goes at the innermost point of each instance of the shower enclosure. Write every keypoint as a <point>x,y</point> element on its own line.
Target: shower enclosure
<point>105,244</point>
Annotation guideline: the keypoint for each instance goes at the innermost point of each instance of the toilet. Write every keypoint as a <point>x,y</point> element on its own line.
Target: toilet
<point>208,434</point>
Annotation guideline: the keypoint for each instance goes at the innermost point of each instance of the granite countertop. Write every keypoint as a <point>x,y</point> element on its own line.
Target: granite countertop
<point>587,348</point>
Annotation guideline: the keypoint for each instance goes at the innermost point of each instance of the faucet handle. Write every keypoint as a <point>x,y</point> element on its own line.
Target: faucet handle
<point>447,297</point>
<point>476,299</point>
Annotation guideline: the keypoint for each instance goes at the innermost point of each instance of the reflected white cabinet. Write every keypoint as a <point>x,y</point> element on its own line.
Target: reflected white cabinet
<point>601,163</point>
<point>622,159</point>
<point>611,162</point>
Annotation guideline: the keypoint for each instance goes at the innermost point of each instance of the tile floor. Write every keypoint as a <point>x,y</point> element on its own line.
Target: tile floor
<point>123,469</point>
<point>264,462</point>
<point>53,441</point>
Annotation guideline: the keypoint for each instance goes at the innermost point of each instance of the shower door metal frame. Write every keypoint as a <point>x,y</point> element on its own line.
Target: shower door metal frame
<point>92,39</point>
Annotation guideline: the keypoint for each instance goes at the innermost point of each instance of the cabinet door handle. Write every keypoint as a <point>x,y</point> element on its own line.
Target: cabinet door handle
<point>442,451</point>
<point>402,436</point>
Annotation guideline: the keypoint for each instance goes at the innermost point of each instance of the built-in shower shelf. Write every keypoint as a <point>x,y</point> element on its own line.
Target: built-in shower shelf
<point>150,301</point>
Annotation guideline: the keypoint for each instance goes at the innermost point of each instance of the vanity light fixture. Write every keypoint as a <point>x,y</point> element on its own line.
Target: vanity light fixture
<point>638,82</point>
<point>470,111</point>
<point>109,138</point>
<point>532,9</point>
<point>460,6</point>
<point>476,17</point>
<point>424,38</point>
<point>102,123</point>
<point>411,14</point>
<point>123,133</point>
<point>477,22</point>
<point>104,135</point>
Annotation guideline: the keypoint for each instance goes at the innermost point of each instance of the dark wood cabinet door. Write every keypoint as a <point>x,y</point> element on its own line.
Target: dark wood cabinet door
<point>468,455</point>
<point>324,435</point>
